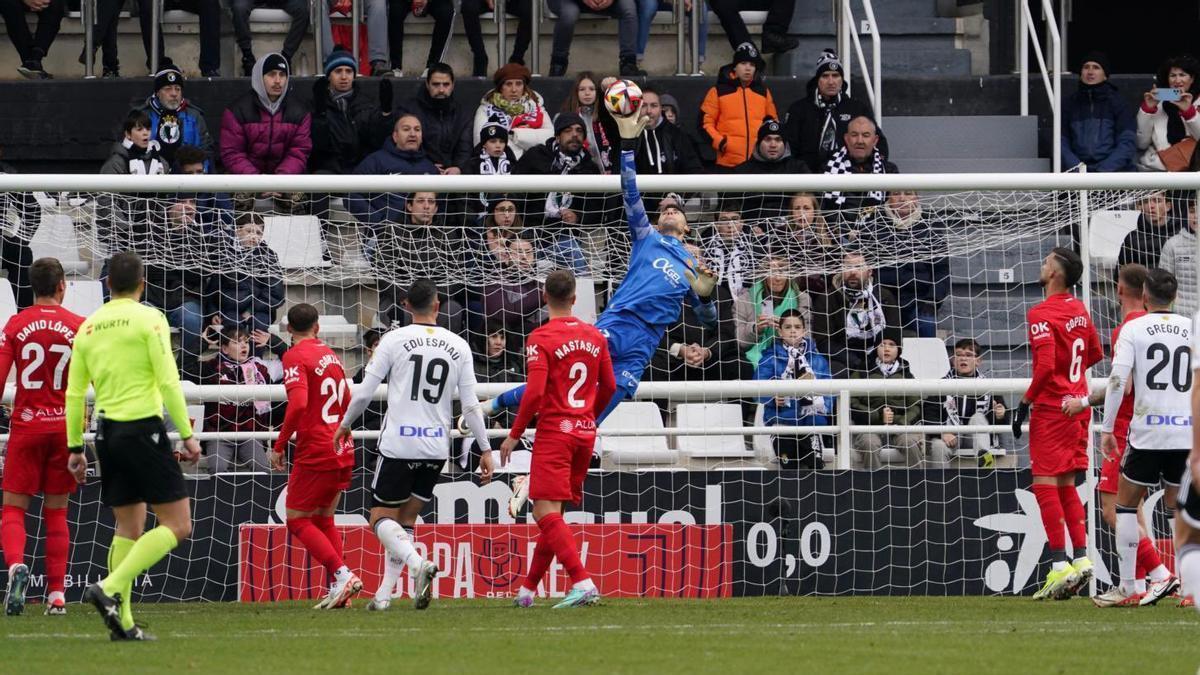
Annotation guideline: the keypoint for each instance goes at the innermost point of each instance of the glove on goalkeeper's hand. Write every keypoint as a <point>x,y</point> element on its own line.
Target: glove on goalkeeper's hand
<point>1019,417</point>
<point>703,281</point>
<point>631,126</point>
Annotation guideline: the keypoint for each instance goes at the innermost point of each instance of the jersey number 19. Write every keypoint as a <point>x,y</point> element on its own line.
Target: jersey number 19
<point>429,382</point>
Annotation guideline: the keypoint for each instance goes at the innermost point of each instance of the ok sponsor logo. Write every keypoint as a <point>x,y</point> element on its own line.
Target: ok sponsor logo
<point>291,374</point>
<point>407,431</point>
<point>1041,329</point>
<point>668,269</point>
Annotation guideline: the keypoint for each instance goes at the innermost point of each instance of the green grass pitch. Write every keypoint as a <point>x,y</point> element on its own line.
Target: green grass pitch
<point>795,635</point>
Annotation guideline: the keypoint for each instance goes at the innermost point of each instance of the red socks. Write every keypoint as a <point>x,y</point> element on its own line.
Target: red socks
<point>557,536</point>
<point>58,542</point>
<point>315,542</point>
<point>543,555</point>
<point>1075,516</point>
<point>12,534</point>
<point>1147,557</point>
<point>1052,515</point>
<point>325,524</point>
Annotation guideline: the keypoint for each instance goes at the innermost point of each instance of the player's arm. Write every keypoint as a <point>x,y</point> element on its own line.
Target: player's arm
<point>78,379</point>
<point>606,385</point>
<point>373,376</point>
<point>470,410</point>
<point>7,356</point>
<point>1122,367</point>
<point>295,382</point>
<point>630,128</point>
<point>1043,353</point>
<point>536,372</point>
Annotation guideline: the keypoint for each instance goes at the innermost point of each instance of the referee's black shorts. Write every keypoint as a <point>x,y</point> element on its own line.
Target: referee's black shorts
<point>137,463</point>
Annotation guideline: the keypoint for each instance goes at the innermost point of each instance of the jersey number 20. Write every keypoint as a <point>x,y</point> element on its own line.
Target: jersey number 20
<point>1180,367</point>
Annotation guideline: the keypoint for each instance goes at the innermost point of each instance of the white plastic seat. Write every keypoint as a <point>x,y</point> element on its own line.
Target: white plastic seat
<point>641,449</point>
<point>1107,233</point>
<point>180,16</point>
<point>701,415</point>
<point>55,238</point>
<point>83,296</point>
<point>926,358</point>
<point>297,240</point>
<point>585,300</point>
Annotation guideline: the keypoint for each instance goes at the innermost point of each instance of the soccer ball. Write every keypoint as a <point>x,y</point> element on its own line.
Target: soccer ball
<point>623,98</point>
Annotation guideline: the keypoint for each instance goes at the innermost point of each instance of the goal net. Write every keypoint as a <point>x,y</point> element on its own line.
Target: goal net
<point>728,475</point>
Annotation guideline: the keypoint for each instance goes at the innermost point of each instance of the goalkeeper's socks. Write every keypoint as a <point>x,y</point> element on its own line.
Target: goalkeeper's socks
<point>12,535</point>
<point>1052,515</point>
<point>315,542</point>
<point>1075,516</point>
<point>326,526</point>
<point>398,542</point>
<point>543,555</point>
<point>58,541</point>
<point>558,536</point>
<point>509,399</point>
<point>117,551</point>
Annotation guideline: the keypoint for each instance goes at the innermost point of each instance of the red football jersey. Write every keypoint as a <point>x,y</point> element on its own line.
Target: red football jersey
<point>1125,414</point>
<point>313,375</point>
<point>1065,344</point>
<point>38,341</point>
<point>571,358</point>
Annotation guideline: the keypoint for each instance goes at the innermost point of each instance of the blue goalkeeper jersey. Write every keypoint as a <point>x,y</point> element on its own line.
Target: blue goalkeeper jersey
<point>654,285</point>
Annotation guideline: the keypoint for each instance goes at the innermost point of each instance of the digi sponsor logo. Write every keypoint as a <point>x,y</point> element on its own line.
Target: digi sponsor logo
<point>420,432</point>
<point>1168,420</point>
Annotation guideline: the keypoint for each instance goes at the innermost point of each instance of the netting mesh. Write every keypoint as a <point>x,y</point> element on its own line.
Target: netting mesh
<point>937,267</point>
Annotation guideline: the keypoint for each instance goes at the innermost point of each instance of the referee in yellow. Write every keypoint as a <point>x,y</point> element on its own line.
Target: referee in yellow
<point>124,351</point>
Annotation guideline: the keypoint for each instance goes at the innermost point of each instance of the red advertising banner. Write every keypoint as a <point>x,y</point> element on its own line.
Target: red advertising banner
<point>480,561</point>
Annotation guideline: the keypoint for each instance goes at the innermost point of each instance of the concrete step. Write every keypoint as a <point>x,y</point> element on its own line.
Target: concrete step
<point>960,137</point>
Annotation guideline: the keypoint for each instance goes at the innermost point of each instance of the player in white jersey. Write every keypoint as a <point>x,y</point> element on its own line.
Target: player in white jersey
<point>1156,351</point>
<point>1187,518</point>
<point>424,365</point>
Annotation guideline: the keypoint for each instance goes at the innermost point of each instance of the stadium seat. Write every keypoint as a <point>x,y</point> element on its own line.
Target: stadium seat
<point>700,415</point>
<point>297,240</point>
<point>926,358</point>
<point>8,301</point>
<point>55,238</point>
<point>84,297</point>
<point>585,299</point>
<point>1108,230</point>
<point>647,449</point>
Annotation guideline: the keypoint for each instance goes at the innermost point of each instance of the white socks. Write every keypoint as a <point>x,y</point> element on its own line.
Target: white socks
<point>1127,546</point>
<point>585,585</point>
<point>1187,564</point>
<point>1160,573</point>
<point>393,567</point>
<point>398,542</point>
<point>523,592</point>
<point>342,574</point>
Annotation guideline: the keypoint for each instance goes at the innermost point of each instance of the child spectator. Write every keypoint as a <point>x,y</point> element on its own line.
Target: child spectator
<point>793,356</point>
<point>966,408</point>
<point>235,365</point>
<point>249,289</point>
<point>136,153</point>
<point>491,157</point>
<point>887,409</point>
<point>734,108</point>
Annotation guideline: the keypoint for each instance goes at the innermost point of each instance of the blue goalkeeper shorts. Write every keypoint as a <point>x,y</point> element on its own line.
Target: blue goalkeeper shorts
<point>631,345</point>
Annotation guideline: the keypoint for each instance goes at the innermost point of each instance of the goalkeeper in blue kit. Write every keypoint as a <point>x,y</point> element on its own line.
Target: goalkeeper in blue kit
<point>661,274</point>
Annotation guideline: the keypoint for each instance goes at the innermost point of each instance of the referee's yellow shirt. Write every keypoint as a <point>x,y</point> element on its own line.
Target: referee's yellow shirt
<point>124,351</point>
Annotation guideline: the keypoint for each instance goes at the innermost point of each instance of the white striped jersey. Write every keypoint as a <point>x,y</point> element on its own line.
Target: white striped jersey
<point>1156,351</point>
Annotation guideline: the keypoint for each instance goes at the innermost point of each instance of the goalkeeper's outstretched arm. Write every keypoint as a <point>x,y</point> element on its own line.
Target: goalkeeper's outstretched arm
<point>630,128</point>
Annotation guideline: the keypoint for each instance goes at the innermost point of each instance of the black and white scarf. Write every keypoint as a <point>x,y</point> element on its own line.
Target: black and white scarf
<point>829,135</point>
<point>731,261</point>
<point>888,369</point>
<point>798,368</point>
<point>841,164</point>
<point>864,314</point>
<point>562,164</point>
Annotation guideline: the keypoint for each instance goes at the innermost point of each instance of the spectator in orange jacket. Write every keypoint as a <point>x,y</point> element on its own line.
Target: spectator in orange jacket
<point>734,109</point>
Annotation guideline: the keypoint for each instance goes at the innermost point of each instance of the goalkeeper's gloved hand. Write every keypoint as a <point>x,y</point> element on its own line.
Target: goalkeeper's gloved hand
<point>631,126</point>
<point>1019,417</point>
<point>703,281</point>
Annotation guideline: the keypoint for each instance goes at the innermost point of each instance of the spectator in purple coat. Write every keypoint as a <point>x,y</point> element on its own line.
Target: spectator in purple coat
<point>515,299</point>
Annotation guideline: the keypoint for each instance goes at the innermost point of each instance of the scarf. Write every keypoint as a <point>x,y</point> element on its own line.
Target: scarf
<point>596,143</point>
<point>169,132</point>
<point>562,164</point>
<point>731,260</point>
<point>510,114</point>
<point>840,164</point>
<point>341,100</point>
<point>864,314</point>
<point>888,369</point>
<point>963,407</point>
<point>829,135</point>
<point>144,162</point>
<point>789,301</point>
<point>797,366</point>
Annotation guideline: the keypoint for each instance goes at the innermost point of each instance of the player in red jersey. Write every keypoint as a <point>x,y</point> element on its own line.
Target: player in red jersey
<point>38,341</point>
<point>570,381</point>
<point>1065,344</point>
<point>317,397</point>
<point>1131,279</point>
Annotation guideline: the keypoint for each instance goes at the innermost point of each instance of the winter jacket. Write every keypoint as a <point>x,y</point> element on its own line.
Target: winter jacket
<point>726,362</point>
<point>918,285</point>
<point>178,263</point>
<point>539,161</point>
<point>756,206</point>
<point>1144,244</point>
<point>1098,129</point>
<point>126,158</point>
<point>1153,132</point>
<point>446,127</point>
<point>534,129</point>
<point>502,368</point>
<point>516,302</point>
<point>806,119</point>
<point>404,252</point>
<point>801,412</point>
<point>731,115</point>
<point>846,354</point>
<point>750,303</point>
<point>263,137</point>
<point>868,408</point>
<point>665,149</point>
<point>251,280</point>
<point>175,128</point>
<point>345,132</point>
<point>1179,258</point>
<point>379,207</point>
<point>224,416</point>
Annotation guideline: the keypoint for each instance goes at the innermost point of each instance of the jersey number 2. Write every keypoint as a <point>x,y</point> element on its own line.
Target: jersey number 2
<point>36,355</point>
<point>578,375</point>
<point>335,390</point>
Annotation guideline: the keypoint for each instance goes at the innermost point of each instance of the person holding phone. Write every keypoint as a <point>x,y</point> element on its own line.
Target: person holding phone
<point>1167,123</point>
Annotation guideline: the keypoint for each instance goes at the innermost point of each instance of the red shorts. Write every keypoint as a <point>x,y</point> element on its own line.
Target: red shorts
<point>37,463</point>
<point>1057,443</point>
<point>560,464</point>
<point>1110,471</point>
<point>313,489</point>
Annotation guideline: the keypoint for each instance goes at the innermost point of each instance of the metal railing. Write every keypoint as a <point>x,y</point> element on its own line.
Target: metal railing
<point>848,36</point>
<point>1053,84</point>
